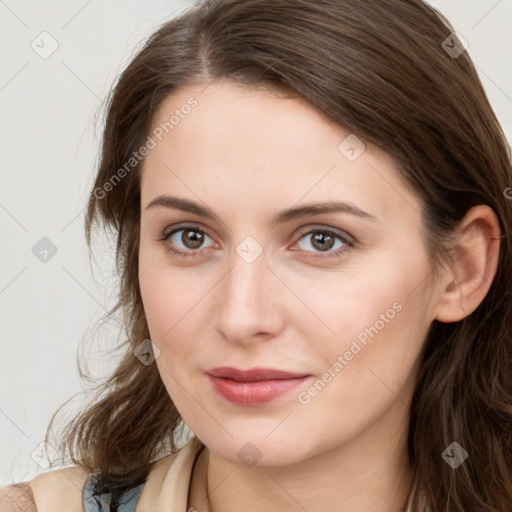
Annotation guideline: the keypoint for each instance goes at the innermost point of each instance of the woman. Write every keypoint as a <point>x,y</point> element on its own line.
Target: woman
<point>311,202</point>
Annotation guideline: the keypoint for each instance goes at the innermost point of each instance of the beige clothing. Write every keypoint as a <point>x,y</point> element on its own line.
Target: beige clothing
<point>166,488</point>
<point>61,490</point>
<point>168,482</point>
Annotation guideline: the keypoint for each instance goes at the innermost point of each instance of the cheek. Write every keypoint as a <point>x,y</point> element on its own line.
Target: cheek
<point>175,304</point>
<point>363,373</point>
<point>156,300</point>
<point>375,319</point>
<point>353,297</point>
<point>168,301</point>
<point>167,293</point>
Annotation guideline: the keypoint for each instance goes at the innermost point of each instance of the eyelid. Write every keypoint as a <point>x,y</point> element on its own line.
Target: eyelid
<point>183,225</point>
<point>347,238</point>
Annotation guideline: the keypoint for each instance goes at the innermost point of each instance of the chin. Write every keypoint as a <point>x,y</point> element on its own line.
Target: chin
<point>257,449</point>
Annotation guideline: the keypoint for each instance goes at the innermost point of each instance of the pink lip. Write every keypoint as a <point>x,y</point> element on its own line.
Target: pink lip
<point>252,387</point>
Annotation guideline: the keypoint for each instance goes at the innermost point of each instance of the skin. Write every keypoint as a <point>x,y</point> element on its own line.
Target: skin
<point>246,154</point>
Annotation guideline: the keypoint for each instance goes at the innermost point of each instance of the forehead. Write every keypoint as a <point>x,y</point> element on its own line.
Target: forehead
<point>238,142</point>
<point>244,121</point>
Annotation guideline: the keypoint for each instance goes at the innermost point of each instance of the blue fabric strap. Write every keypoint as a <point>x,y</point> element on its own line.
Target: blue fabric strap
<point>93,502</point>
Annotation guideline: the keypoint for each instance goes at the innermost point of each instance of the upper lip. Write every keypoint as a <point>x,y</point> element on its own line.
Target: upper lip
<point>253,374</point>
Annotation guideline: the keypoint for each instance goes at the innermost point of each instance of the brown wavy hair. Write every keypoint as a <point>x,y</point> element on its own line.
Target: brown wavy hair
<point>383,71</point>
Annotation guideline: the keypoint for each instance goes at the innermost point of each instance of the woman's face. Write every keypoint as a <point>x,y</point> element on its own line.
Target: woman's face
<point>269,278</point>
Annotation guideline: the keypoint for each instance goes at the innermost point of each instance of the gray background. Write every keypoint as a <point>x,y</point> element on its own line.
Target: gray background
<point>49,133</point>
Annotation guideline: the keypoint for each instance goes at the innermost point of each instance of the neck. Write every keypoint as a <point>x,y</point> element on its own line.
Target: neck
<point>369,472</point>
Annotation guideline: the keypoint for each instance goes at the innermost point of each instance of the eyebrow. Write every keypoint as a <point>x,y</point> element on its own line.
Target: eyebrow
<point>307,210</point>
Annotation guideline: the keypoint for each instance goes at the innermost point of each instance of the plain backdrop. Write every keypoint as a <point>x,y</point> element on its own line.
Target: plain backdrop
<point>51,295</point>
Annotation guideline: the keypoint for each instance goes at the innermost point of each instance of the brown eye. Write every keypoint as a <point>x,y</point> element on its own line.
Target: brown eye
<point>323,240</point>
<point>185,241</point>
<point>192,238</point>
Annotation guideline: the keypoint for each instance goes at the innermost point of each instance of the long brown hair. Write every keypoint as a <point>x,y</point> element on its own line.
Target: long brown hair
<point>392,73</point>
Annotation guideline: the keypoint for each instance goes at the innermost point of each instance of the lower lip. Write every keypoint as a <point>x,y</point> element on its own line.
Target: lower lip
<point>253,393</point>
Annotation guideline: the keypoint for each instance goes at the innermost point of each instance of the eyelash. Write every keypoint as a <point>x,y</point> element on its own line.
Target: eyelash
<point>328,231</point>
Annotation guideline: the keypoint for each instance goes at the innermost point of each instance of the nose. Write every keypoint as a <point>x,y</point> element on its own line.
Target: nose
<point>250,302</point>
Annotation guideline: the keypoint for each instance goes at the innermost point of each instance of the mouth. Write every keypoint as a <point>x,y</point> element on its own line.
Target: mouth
<point>254,386</point>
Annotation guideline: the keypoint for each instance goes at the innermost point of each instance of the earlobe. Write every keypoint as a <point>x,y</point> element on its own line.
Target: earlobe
<point>473,267</point>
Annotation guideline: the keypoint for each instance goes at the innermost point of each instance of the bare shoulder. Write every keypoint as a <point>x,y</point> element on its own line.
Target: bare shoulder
<point>17,498</point>
<point>50,491</point>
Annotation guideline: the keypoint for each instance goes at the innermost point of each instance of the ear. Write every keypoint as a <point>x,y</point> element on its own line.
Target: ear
<point>473,266</point>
